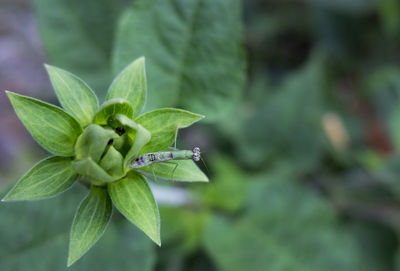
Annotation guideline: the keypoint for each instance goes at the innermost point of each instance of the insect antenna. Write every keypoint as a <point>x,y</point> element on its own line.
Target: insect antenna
<point>208,172</point>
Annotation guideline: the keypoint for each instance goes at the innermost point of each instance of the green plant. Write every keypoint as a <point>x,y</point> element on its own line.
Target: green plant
<point>95,145</point>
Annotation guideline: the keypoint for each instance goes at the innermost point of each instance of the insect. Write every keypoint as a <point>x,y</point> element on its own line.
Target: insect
<point>157,157</point>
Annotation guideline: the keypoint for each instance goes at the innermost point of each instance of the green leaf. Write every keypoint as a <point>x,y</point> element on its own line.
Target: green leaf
<point>198,65</point>
<point>178,170</point>
<point>93,141</point>
<point>123,144</point>
<point>49,125</point>
<point>90,222</point>
<point>46,179</point>
<point>285,227</point>
<point>163,125</point>
<point>133,198</point>
<point>78,36</point>
<point>74,95</point>
<point>136,131</point>
<point>113,162</point>
<point>229,188</point>
<point>130,84</point>
<point>111,108</point>
<point>31,230</point>
<point>91,170</point>
<point>261,139</point>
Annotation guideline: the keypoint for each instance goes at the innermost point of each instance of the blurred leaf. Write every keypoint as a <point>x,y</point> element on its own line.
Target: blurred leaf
<point>377,243</point>
<point>90,222</point>
<point>287,125</point>
<point>285,228</point>
<point>229,185</point>
<point>390,16</point>
<point>47,178</point>
<point>354,6</point>
<point>78,36</point>
<point>133,198</point>
<point>53,128</point>
<point>32,230</point>
<point>130,85</point>
<point>191,63</point>
<point>182,229</point>
<point>163,125</point>
<point>75,96</point>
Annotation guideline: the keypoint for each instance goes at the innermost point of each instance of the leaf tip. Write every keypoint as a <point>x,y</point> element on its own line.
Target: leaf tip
<point>157,241</point>
<point>70,261</point>
<point>72,258</point>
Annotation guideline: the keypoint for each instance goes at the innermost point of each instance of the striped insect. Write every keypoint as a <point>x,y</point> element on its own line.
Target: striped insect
<point>157,157</point>
<point>147,159</point>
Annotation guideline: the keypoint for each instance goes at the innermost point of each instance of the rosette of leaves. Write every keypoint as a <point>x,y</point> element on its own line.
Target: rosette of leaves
<point>94,145</point>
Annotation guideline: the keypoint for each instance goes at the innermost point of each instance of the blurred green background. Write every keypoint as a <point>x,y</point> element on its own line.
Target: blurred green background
<point>301,139</point>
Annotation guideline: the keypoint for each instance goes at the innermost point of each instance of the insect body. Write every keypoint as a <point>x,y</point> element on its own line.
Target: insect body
<point>157,157</point>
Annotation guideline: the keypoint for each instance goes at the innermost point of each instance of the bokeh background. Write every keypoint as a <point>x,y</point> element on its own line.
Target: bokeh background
<point>301,139</point>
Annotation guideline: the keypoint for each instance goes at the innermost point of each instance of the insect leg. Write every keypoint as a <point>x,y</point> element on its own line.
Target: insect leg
<point>175,167</point>
<point>154,175</point>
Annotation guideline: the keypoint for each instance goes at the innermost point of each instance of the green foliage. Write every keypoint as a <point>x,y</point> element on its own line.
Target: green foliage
<point>191,63</point>
<point>92,142</point>
<point>133,198</point>
<point>46,179</point>
<point>74,95</point>
<point>112,107</point>
<point>229,189</point>
<point>179,170</point>
<point>49,125</point>
<point>79,36</point>
<point>41,228</point>
<point>100,154</point>
<point>131,85</point>
<point>138,132</point>
<point>90,222</point>
<point>92,171</point>
<point>285,228</point>
<point>163,124</point>
<point>288,117</point>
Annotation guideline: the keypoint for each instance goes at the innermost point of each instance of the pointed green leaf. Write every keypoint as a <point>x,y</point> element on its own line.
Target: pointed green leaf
<point>136,131</point>
<point>163,125</point>
<point>130,84</point>
<point>113,162</point>
<point>46,179</point>
<point>91,170</point>
<point>111,108</point>
<point>93,141</point>
<point>35,237</point>
<point>89,223</point>
<point>49,125</point>
<point>74,94</point>
<point>178,170</point>
<point>133,198</point>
